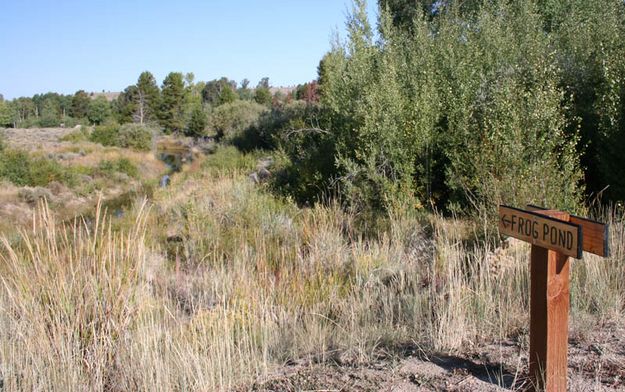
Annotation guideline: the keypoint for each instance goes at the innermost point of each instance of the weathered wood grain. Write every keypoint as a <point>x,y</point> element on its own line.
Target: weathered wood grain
<point>549,318</point>
<point>595,234</point>
<point>542,230</point>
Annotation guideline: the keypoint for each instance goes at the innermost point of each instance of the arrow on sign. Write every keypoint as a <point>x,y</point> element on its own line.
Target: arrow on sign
<point>541,230</point>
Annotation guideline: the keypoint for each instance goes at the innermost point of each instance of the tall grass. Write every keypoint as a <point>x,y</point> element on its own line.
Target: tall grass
<point>598,284</point>
<point>221,282</point>
<point>70,296</point>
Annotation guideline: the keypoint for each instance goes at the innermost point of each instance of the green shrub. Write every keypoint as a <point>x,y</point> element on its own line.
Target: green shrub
<point>121,165</point>
<point>23,170</point>
<point>262,96</point>
<point>106,135</point>
<point>30,122</point>
<point>77,136</point>
<point>232,119</point>
<point>466,118</point>
<point>99,111</point>
<point>135,136</point>
<point>299,131</point>
<point>268,131</point>
<point>49,121</point>
<point>44,171</point>
<point>15,167</point>
<point>228,159</point>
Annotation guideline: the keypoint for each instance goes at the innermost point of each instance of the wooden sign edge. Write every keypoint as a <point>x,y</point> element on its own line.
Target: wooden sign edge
<point>580,240</point>
<point>606,244</point>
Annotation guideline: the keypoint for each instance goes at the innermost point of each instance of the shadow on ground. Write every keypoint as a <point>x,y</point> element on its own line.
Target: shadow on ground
<point>497,374</point>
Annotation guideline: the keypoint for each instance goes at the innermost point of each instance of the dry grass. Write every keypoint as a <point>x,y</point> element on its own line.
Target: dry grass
<point>221,282</point>
<point>12,212</point>
<point>70,294</point>
<point>35,138</point>
<point>149,165</point>
<point>82,162</point>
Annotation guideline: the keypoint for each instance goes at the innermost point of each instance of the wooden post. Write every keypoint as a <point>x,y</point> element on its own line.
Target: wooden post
<point>549,305</point>
<point>549,315</point>
<point>555,236</point>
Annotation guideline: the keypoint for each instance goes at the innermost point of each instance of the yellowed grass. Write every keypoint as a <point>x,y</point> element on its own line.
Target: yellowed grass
<point>149,165</point>
<point>82,157</point>
<point>246,281</point>
<point>8,192</point>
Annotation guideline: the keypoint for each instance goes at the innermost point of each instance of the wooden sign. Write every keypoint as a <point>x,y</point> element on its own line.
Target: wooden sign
<point>595,234</point>
<point>541,230</point>
<point>555,236</point>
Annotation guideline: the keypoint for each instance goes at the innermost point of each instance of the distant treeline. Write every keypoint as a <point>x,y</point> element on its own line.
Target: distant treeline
<point>179,105</point>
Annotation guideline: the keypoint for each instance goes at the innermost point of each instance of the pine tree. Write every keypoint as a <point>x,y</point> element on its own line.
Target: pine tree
<point>148,97</point>
<point>126,104</point>
<point>172,103</point>
<point>197,123</point>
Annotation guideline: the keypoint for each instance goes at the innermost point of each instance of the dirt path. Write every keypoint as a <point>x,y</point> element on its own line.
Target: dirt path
<point>596,366</point>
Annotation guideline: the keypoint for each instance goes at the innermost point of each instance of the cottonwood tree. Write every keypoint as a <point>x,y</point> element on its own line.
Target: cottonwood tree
<point>80,104</point>
<point>588,39</point>
<point>7,114</point>
<point>245,93</point>
<point>25,109</point>
<point>219,91</point>
<point>262,94</point>
<point>189,79</point>
<point>264,82</point>
<point>99,110</point>
<point>49,114</point>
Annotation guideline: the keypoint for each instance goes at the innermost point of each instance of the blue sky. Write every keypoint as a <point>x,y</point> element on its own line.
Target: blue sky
<point>95,45</point>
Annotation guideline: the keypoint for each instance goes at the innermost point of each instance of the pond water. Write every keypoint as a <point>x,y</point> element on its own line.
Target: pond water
<point>174,157</point>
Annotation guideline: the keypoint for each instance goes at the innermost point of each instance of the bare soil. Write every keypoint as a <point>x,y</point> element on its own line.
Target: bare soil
<point>596,363</point>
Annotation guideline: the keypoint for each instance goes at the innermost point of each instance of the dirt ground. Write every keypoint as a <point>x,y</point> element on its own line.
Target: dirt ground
<point>501,366</point>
